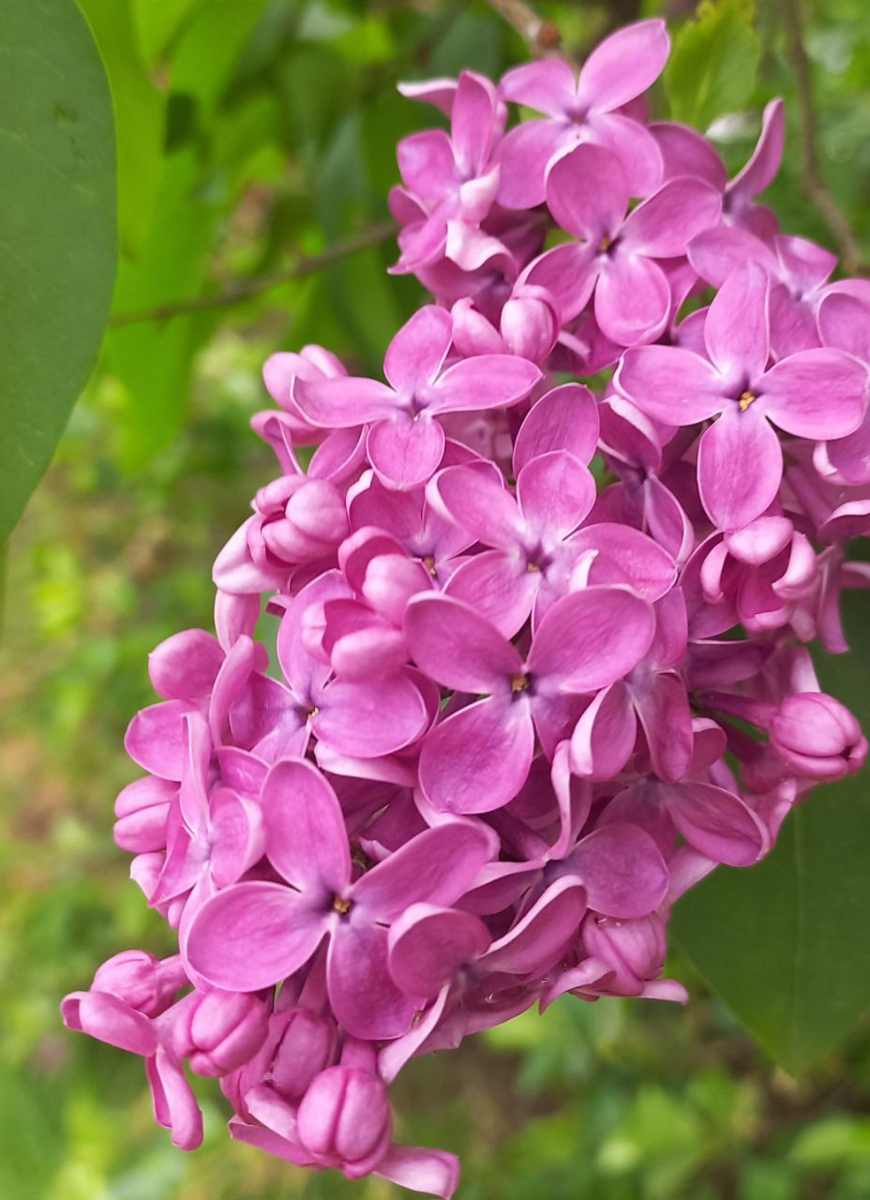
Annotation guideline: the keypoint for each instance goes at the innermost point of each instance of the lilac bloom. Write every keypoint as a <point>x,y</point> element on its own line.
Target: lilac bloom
<point>451,179</point>
<point>686,152</point>
<point>479,757</point>
<point>213,839</point>
<point>653,696</point>
<point>585,109</point>
<point>254,934</point>
<point>367,719</point>
<point>405,440</point>
<point>526,566</point>
<point>814,394</point>
<point>614,258</point>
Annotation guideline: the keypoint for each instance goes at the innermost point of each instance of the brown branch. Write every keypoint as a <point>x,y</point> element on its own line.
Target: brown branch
<point>813,182</point>
<point>242,289</point>
<point>542,37</point>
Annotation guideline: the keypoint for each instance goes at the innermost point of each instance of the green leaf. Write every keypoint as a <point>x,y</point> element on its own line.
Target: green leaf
<point>57,224</point>
<point>139,116</point>
<point>714,62</point>
<point>785,943</point>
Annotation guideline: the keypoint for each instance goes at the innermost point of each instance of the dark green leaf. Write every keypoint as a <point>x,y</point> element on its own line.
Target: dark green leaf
<point>785,943</point>
<point>57,216</point>
<point>714,62</point>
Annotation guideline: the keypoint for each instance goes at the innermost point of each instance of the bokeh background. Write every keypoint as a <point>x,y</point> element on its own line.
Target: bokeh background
<point>251,133</point>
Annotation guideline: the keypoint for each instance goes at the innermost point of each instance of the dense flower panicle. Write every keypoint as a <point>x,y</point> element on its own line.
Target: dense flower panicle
<point>541,653</point>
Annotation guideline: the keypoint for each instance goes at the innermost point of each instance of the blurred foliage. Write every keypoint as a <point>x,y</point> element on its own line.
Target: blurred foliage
<point>250,133</point>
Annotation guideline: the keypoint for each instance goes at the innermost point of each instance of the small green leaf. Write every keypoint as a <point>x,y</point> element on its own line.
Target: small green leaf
<point>785,943</point>
<point>714,62</point>
<point>57,225</point>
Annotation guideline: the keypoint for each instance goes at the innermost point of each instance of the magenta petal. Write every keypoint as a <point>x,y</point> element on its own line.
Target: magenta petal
<point>478,759</point>
<point>816,393</point>
<point>622,554</point>
<point>538,938</point>
<point>109,1020</point>
<point>663,708</point>
<point>306,839</point>
<point>590,639</point>
<point>480,504</point>
<point>632,299</point>
<point>344,402</point>
<point>739,467</point>
<point>670,385</point>
<point>487,381</point>
<point>498,587</point>
<point>564,419</point>
<point>662,226</point>
<point>406,452</point>
<point>758,173</point>
<point>736,328</point>
<point>458,648</point>
<point>471,129</point>
<point>427,944</point>
<point>523,156</point>
<point>603,738</point>
<point>844,324</point>
<point>175,1105</point>
<point>185,666</point>
<point>587,192</point>
<point>717,253</point>
<point>415,354</point>
<point>364,998</point>
<point>634,146</point>
<point>547,86</point>
<point>425,159</point>
<point>157,739</point>
<point>370,719</point>
<point>434,1172</point>
<point>252,935</point>
<point>556,492</point>
<point>717,823</point>
<point>622,870</point>
<point>569,273</point>
<point>437,866</point>
<point>624,65</point>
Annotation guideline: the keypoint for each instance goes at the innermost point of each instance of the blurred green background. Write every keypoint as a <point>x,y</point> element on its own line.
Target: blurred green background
<point>250,132</point>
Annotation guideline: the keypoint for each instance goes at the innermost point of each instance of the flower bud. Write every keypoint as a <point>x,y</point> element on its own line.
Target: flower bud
<point>219,1031</point>
<point>141,980</point>
<point>344,1120</point>
<point>817,737</point>
<point>141,811</point>
<point>530,323</point>
<point>634,949</point>
<point>306,1045</point>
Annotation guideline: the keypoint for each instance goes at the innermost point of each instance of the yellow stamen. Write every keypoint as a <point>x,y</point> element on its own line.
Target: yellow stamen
<point>746,398</point>
<point>429,564</point>
<point>605,244</point>
<point>342,906</point>
<point>520,683</point>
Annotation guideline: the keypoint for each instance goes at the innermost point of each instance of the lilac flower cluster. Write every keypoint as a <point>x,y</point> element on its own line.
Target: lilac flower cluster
<point>519,705</point>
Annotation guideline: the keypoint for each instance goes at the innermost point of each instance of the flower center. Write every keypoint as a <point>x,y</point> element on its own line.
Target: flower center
<point>745,399</point>
<point>342,906</point>
<point>429,564</point>
<point>605,244</point>
<point>520,683</point>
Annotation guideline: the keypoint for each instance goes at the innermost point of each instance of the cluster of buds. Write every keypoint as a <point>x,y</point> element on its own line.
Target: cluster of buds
<point>541,659</point>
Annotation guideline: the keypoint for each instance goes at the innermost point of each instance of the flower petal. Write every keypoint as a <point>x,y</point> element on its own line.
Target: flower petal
<point>816,393</point>
<point>406,452</point>
<point>587,192</point>
<point>539,937</point>
<point>415,354</point>
<point>427,944</point>
<point>564,419</point>
<point>739,467</point>
<point>669,384</point>
<point>306,839</point>
<point>664,224</point>
<point>624,65</point>
<point>556,492</point>
<point>622,870</point>
<point>487,381</point>
<point>590,639</point>
<point>632,299</point>
<point>367,720</point>
<point>736,330</point>
<point>344,402</point>
<point>363,996</point>
<point>252,935</point>
<point>717,823</point>
<point>478,759</point>
<point>459,649</point>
